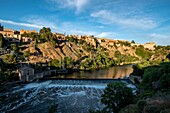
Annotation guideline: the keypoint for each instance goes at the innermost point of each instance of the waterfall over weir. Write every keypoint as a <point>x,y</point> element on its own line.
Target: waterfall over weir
<point>72,96</point>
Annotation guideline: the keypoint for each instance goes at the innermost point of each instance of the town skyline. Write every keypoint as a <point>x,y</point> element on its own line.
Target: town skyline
<point>124,20</point>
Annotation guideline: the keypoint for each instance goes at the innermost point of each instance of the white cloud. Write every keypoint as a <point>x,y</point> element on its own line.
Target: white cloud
<point>159,36</point>
<point>100,27</point>
<point>106,34</point>
<point>78,4</point>
<point>80,32</point>
<point>76,28</point>
<point>41,21</point>
<point>160,39</point>
<point>96,34</point>
<point>107,17</point>
<point>21,24</point>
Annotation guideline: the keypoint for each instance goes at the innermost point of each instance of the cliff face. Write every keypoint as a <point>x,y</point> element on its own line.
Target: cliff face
<point>81,48</point>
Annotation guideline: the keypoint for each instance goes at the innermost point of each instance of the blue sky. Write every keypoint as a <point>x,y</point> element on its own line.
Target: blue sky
<point>139,20</point>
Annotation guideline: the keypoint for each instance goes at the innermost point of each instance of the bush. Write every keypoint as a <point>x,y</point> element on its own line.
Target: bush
<point>165,80</point>
<point>27,54</point>
<point>56,63</point>
<point>1,40</point>
<point>151,74</point>
<point>145,54</point>
<point>152,109</point>
<point>141,104</point>
<point>9,58</point>
<point>116,96</point>
<point>159,73</point>
<point>137,71</point>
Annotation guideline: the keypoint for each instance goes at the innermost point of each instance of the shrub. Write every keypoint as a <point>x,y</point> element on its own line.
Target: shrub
<point>116,96</point>
<point>141,104</point>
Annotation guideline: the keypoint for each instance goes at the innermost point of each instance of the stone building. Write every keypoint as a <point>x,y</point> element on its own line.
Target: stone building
<point>150,45</point>
<point>26,74</point>
<point>25,39</point>
<point>22,31</point>
<point>7,32</point>
<point>59,35</point>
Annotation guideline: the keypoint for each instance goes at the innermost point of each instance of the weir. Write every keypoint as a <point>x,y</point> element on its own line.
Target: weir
<point>72,96</point>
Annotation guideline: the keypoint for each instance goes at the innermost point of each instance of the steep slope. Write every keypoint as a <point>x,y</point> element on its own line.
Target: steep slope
<point>80,49</point>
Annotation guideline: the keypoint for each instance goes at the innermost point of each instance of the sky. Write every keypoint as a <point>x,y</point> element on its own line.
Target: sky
<point>139,20</point>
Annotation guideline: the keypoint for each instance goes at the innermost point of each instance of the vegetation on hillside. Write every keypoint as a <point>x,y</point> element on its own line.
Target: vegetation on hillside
<point>144,53</point>
<point>80,53</point>
<point>154,89</point>
<point>1,40</point>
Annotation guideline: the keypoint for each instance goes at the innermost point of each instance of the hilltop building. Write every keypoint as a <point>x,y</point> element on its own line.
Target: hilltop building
<point>9,33</point>
<point>59,35</point>
<point>25,39</point>
<point>150,45</point>
<point>22,31</point>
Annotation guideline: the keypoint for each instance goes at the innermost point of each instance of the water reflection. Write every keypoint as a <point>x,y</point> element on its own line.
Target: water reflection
<point>112,72</point>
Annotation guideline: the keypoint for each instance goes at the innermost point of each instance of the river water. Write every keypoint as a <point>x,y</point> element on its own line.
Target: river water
<point>109,73</point>
<point>72,96</point>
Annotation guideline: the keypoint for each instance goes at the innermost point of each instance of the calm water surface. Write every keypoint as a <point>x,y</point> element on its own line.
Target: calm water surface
<point>109,73</point>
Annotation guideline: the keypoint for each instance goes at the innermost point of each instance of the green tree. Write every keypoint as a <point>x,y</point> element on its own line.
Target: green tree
<point>164,80</point>
<point>56,63</point>
<point>33,35</point>
<point>45,34</point>
<point>45,30</point>
<point>68,62</point>
<point>24,34</point>
<point>159,74</point>
<point>116,96</point>
<point>9,58</point>
<point>141,104</point>
<point>1,40</point>
<point>142,52</point>
<point>14,47</point>
<point>133,42</point>
<point>27,54</point>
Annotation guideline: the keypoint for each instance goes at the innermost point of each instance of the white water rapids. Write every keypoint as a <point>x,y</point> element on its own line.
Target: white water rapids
<point>72,96</point>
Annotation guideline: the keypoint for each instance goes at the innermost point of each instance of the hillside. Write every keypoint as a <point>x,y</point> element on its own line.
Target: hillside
<point>81,52</point>
<point>89,47</point>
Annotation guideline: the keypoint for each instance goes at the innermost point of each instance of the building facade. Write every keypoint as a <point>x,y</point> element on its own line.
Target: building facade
<point>26,74</point>
<point>150,45</point>
<point>22,31</point>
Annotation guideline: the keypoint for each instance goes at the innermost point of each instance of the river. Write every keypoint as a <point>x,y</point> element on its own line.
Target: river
<point>72,96</point>
<point>108,73</point>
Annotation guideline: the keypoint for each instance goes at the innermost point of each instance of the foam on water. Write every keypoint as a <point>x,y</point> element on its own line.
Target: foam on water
<point>71,96</point>
<point>36,85</point>
<point>81,93</point>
